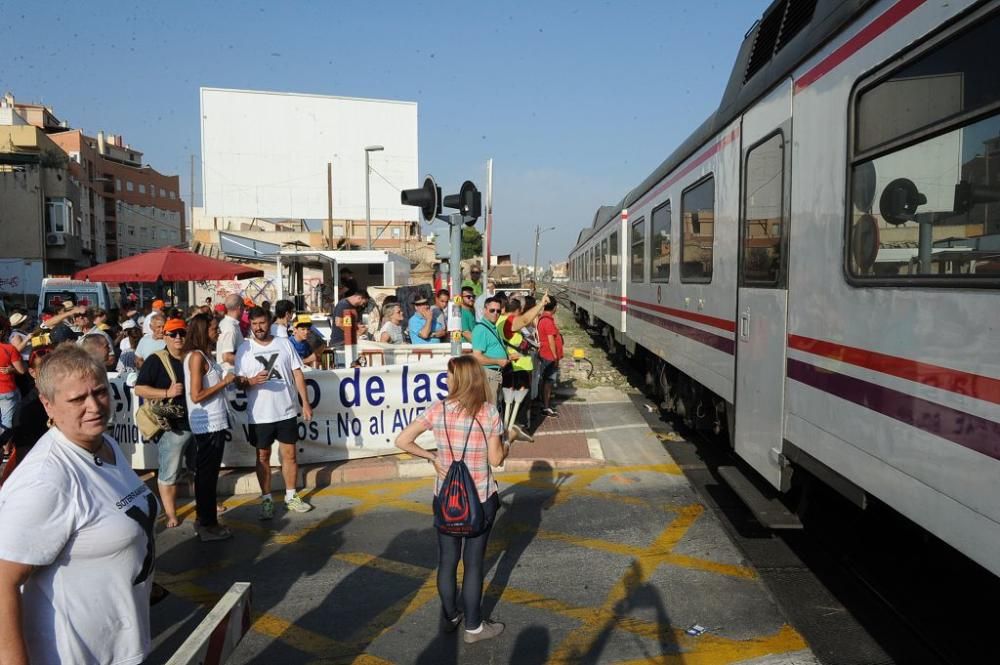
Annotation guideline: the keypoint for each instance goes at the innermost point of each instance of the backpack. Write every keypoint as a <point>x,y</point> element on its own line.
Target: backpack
<point>457,510</point>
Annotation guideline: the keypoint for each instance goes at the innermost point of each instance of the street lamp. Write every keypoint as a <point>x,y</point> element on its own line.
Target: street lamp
<point>538,234</point>
<point>368,199</point>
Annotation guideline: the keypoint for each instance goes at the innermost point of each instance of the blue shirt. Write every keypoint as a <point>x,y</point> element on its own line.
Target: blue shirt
<point>416,324</point>
<point>486,340</point>
<point>302,348</point>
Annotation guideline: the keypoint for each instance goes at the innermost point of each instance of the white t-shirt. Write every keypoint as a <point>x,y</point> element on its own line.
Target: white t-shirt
<point>276,399</point>
<point>148,346</point>
<point>209,415</point>
<point>394,331</point>
<point>88,529</point>
<point>279,330</point>
<point>230,338</point>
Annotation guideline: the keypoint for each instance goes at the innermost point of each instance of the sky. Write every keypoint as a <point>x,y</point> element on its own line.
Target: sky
<point>575,102</point>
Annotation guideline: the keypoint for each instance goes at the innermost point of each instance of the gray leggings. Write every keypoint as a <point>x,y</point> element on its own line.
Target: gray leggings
<point>471,551</point>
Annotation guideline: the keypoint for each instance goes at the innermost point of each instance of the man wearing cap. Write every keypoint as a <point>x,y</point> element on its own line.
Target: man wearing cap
<point>423,327</point>
<point>151,343</point>
<point>158,306</point>
<point>131,335</point>
<point>155,382</point>
<point>475,280</point>
<point>347,307</point>
<point>301,327</point>
<point>271,372</point>
<point>230,335</point>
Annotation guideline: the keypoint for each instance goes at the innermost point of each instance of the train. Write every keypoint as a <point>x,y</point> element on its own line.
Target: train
<point>813,274</point>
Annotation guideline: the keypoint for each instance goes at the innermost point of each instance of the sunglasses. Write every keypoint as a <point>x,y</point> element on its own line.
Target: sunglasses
<point>493,311</point>
<point>177,333</point>
<point>469,296</point>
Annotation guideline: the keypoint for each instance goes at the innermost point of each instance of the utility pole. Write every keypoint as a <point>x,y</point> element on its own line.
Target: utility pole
<point>534,264</point>
<point>190,202</point>
<point>329,204</point>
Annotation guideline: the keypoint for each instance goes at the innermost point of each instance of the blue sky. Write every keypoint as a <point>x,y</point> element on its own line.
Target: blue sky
<point>576,102</point>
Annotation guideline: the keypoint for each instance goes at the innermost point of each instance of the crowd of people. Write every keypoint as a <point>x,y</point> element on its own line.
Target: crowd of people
<point>76,493</point>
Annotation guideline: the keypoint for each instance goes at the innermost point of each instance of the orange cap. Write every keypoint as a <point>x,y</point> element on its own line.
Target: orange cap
<point>249,302</point>
<point>174,324</point>
<point>158,304</point>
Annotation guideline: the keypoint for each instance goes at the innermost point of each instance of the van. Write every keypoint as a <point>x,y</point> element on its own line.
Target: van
<point>57,290</point>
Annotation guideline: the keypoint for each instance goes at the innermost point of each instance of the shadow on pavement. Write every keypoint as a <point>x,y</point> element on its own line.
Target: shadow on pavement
<point>518,525</point>
<point>531,646</point>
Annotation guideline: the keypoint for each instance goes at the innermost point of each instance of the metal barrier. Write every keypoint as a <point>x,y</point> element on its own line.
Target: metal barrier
<point>216,637</point>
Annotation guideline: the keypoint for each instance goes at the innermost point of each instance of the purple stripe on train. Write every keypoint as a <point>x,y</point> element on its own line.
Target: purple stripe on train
<point>965,429</point>
<point>723,344</point>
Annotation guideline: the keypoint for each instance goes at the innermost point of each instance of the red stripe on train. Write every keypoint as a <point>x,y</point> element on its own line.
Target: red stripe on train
<point>956,381</point>
<point>722,324</point>
<point>880,25</point>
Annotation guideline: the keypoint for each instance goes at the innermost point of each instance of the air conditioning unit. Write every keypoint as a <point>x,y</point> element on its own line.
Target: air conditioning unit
<point>55,239</point>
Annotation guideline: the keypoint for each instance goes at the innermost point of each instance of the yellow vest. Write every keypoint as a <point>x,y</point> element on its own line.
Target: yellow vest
<point>522,364</point>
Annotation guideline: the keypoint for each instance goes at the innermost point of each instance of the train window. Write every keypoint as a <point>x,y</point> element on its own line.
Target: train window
<point>659,244</point>
<point>639,251</point>
<point>925,177</point>
<point>613,251</point>
<point>604,259</point>
<point>698,231</point>
<point>763,212</point>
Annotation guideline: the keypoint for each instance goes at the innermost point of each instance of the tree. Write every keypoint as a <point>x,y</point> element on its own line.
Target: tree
<point>472,243</point>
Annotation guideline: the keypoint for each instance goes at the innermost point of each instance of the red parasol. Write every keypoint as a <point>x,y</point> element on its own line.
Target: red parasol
<point>169,264</point>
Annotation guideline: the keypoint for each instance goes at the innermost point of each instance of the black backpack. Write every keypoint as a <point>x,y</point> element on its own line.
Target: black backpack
<point>457,510</point>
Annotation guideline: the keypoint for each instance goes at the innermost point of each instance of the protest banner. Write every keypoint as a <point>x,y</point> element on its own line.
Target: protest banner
<point>356,413</point>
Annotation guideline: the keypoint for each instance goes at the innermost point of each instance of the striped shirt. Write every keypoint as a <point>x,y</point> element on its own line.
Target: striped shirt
<point>446,415</point>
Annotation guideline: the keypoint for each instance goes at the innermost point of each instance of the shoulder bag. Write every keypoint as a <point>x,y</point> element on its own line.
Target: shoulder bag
<point>154,416</point>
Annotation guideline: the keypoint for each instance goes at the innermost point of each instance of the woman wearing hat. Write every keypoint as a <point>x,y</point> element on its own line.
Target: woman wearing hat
<point>155,381</point>
<point>20,338</point>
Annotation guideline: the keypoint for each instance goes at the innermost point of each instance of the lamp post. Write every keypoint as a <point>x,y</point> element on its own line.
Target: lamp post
<point>538,234</point>
<point>368,199</point>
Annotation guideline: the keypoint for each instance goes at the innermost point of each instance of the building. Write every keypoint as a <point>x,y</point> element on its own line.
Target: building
<point>39,203</point>
<point>116,206</point>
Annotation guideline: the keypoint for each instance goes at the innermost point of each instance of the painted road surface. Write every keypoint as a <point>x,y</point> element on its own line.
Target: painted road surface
<point>610,564</point>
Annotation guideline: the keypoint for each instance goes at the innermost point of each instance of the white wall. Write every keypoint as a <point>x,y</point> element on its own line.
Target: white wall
<point>265,154</point>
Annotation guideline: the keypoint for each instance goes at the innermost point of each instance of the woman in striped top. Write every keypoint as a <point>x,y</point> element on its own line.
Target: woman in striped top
<point>465,413</point>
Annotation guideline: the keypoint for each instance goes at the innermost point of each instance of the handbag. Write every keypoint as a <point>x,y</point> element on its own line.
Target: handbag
<point>154,416</point>
<point>457,509</point>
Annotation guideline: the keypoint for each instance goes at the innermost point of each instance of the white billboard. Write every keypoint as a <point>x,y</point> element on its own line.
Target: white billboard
<point>265,154</point>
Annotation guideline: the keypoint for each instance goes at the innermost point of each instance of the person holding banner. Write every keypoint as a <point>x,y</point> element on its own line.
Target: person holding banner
<point>271,372</point>
<point>465,416</point>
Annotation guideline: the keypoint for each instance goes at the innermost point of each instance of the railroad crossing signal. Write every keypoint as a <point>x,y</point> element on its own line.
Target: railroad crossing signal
<point>427,198</point>
<point>468,201</point>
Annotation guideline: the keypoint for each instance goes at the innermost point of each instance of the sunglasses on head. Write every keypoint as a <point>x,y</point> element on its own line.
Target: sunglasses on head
<point>177,333</point>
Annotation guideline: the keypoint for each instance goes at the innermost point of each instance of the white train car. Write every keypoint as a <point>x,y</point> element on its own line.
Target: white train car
<point>816,268</point>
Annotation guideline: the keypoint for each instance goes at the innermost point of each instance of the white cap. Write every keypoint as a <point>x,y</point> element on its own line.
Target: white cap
<point>129,324</point>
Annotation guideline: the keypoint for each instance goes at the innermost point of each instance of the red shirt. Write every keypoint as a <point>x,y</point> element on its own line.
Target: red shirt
<point>547,328</point>
<point>8,354</point>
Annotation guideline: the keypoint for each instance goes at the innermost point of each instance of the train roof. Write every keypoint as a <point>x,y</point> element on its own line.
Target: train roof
<point>788,32</point>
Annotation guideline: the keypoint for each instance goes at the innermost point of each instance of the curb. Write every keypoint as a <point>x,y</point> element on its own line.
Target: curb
<point>238,481</point>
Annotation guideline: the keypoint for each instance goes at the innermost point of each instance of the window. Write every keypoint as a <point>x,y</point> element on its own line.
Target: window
<point>613,249</point>
<point>118,184</point>
<point>152,192</point>
<point>173,195</point>
<point>604,259</point>
<point>929,212</point>
<point>142,188</point>
<point>397,232</point>
<point>639,251</point>
<point>59,215</point>
<point>129,186</point>
<point>763,216</point>
<point>659,244</point>
<point>698,231</point>
<point>338,230</point>
<point>163,193</point>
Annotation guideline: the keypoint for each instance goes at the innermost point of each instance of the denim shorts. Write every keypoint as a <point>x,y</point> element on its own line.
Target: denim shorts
<point>8,404</point>
<point>170,448</point>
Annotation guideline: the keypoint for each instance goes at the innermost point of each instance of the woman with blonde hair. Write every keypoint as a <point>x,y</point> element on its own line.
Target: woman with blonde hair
<point>464,420</point>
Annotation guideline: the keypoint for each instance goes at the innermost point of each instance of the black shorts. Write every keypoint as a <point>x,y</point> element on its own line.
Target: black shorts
<point>548,370</point>
<point>517,379</point>
<point>265,434</point>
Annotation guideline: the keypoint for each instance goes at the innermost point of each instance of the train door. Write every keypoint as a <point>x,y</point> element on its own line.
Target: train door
<point>762,291</point>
